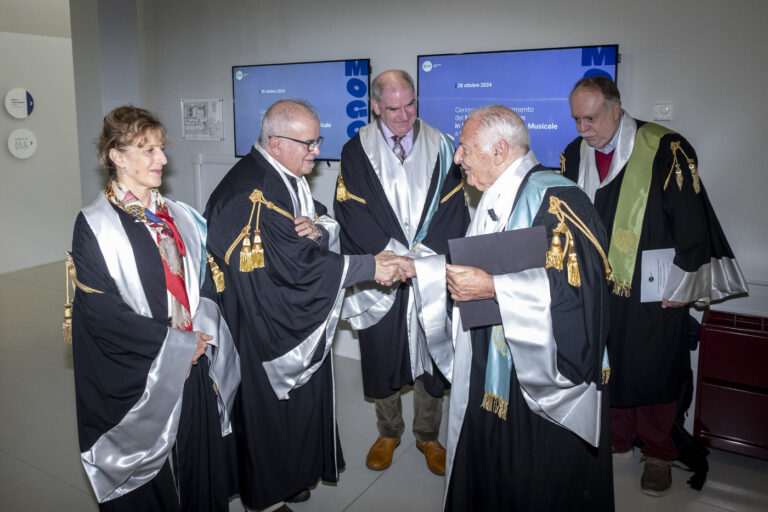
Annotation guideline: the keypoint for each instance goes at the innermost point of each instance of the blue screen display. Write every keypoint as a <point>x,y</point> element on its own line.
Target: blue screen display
<point>534,83</point>
<point>337,89</point>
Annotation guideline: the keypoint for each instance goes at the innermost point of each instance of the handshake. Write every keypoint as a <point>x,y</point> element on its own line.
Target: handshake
<point>391,268</point>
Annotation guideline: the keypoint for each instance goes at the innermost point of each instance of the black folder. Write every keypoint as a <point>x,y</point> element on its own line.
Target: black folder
<point>496,253</point>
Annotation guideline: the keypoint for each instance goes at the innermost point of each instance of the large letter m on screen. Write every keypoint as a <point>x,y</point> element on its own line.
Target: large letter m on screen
<point>356,67</point>
<point>598,56</point>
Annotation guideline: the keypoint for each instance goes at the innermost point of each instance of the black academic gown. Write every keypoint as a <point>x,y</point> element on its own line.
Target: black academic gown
<point>648,346</point>
<point>367,229</point>
<point>526,462</point>
<point>113,349</point>
<point>284,446</point>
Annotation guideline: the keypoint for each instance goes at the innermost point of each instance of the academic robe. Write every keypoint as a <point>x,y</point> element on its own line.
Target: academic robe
<point>283,317</point>
<point>648,346</point>
<point>394,351</point>
<point>552,452</point>
<point>151,439</point>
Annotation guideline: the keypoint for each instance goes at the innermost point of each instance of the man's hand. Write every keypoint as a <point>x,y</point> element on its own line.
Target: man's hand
<point>202,344</point>
<point>306,228</point>
<point>672,304</point>
<point>390,268</point>
<point>469,283</point>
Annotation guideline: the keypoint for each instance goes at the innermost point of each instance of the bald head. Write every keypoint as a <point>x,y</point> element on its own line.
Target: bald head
<point>281,117</point>
<point>287,128</point>
<point>393,79</point>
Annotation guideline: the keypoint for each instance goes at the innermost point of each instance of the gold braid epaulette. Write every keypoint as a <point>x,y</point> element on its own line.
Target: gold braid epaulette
<point>70,274</point>
<point>556,254</point>
<point>675,147</point>
<point>458,187</point>
<point>252,255</point>
<point>342,194</point>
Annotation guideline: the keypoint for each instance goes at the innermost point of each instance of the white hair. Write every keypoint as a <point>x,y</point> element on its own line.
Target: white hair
<point>498,122</point>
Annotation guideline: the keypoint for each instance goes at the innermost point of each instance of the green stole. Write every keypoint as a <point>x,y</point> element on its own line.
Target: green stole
<point>630,211</point>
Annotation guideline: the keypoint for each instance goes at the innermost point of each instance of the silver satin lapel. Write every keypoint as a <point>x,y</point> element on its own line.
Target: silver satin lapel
<point>131,453</point>
<point>105,223</point>
<point>405,184</point>
<point>525,302</point>
<point>589,179</point>
<point>225,361</point>
<point>292,370</point>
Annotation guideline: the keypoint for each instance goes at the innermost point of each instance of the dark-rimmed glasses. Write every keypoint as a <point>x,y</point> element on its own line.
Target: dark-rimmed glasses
<point>311,144</point>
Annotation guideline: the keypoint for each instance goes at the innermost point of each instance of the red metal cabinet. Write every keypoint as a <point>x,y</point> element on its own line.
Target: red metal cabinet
<point>732,384</point>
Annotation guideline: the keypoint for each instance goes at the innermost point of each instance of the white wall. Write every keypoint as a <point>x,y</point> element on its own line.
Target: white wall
<point>39,196</point>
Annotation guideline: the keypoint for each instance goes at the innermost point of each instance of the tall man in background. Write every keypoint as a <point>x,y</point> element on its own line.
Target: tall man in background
<point>283,291</point>
<point>399,190</point>
<point>645,183</point>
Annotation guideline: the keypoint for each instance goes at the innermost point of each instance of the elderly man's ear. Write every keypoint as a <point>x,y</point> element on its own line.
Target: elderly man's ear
<point>500,151</point>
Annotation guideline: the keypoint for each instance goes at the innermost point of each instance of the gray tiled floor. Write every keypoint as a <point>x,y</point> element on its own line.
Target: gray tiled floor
<point>39,462</point>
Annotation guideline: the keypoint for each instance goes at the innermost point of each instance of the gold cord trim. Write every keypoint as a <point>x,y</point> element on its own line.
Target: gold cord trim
<point>73,274</point>
<point>450,194</point>
<point>216,273</point>
<point>675,147</point>
<point>556,255</point>
<point>495,404</point>
<point>252,255</point>
<point>342,194</point>
<point>562,163</point>
<point>70,275</point>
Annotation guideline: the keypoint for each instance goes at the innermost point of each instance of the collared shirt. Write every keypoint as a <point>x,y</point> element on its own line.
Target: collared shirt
<point>406,141</point>
<point>615,140</point>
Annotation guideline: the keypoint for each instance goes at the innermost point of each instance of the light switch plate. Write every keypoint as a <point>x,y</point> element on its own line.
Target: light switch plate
<point>662,112</point>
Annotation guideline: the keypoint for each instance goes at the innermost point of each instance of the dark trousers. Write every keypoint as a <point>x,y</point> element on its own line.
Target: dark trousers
<point>651,424</point>
<point>427,414</point>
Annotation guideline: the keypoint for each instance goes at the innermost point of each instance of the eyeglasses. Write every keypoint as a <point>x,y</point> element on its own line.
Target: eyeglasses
<point>311,144</point>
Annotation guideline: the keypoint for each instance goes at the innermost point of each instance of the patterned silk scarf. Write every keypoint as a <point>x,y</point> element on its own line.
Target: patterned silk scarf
<point>169,243</point>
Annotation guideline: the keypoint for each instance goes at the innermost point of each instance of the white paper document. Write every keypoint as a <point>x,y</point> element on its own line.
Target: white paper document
<point>654,274</point>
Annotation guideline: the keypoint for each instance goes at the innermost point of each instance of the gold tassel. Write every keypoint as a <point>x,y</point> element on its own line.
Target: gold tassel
<point>562,163</point>
<point>66,326</point>
<point>342,194</point>
<point>257,252</point>
<point>695,175</point>
<point>495,405</point>
<point>216,273</point>
<point>555,253</point>
<point>245,255</point>
<point>574,278</point>
<point>621,289</point>
<point>678,176</point>
<point>341,190</point>
<point>606,374</point>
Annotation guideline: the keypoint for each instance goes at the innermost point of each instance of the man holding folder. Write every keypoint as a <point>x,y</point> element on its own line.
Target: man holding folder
<point>528,424</point>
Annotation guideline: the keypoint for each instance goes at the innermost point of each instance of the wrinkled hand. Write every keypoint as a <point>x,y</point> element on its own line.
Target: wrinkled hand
<point>306,228</point>
<point>469,283</point>
<point>202,344</point>
<point>672,304</point>
<point>391,268</point>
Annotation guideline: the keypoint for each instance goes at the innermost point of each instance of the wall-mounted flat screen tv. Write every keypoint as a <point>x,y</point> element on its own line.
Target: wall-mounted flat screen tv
<point>534,83</point>
<point>338,89</point>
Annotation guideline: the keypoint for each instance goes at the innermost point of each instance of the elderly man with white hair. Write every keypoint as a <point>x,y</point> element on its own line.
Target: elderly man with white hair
<point>528,423</point>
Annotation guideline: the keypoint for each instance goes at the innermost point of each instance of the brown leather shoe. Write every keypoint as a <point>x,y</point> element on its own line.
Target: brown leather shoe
<point>435,454</point>
<point>380,455</point>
